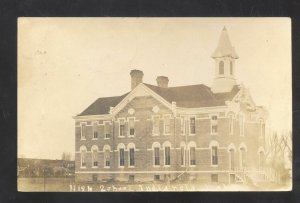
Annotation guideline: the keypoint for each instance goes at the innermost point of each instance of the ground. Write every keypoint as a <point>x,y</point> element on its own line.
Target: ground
<point>51,184</point>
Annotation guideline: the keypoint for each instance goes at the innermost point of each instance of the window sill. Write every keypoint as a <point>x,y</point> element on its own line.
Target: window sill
<point>130,135</point>
<point>131,166</point>
<point>107,167</point>
<point>155,135</point>
<point>95,139</point>
<point>94,166</point>
<point>83,167</point>
<point>121,136</point>
<point>214,166</point>
<point>121,167</point>
<point>214,134</point>
<point>106,138</point>
<point>192,134</point>
<point>192,166</point>
<point>156,166</point>
<point>83,139</point>
<point>167,166</point>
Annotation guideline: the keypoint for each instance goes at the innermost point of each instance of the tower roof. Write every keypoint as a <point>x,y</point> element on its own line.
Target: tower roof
<point>224,47</point>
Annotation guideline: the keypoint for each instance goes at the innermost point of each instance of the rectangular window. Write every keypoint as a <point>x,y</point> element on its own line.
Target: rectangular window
<point>214,155</point>
<point>155,125</point>
<point>241,121</point>
<point>107,158</point>
<point>131,126</point>
<point>167,156</point>
<point>107,130</point>
<point>156,156</point>
<point>232,166</point>
<point>131,157</point>
<point>182,125</point>
<point>182,153</point>
<point>156,177</point>
<point>231,124</point>
<point>192,156</point>
<point>83,131</point>
<point>214,178</point>
<point>122,161</point>
<point>214,124</point>
<point>192,125</point>
<point>167,124</point>
<point>95,131</point>
<point>122,127</point>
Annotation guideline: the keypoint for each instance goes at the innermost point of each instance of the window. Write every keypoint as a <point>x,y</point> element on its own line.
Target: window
<point>242,157</point>
<point>167,124</point>
<point>156,177</point>
<point>131,126</point>
<point>167,156</point>
<point>156,156</point>
<point>107,158</point>
<point>182,156</point>
<point>122,127</point>
<point>231,155</point>
<point>262,128</point>
<point>214,124</point>
<point>261,160</point>
<point>155,125</point>
<point>221,68</point>
<point>192,156</point>
<point>214,178</point>
<point>107,130</point>
<point>131,157</point>
<point>192,125</point>
<point>95,156</point>
<point>122,155</point>
<point>83,131</point>
<point>95,131</point>
<point>131,178</point>
<point>182,125</point>
<point>231,68</point>
<point>241,123</point>
<point>83,156</point>
<point>214,155</point>
<point>230,123</point>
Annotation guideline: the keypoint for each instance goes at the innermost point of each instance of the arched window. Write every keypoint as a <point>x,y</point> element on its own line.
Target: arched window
<point>156,152</point>
<point>231,68</point>
<point>262,127</point>
<point>94,150</point>
<point>261,158</point>
<point>83,156</point>
<point>121,149</point>
<point>231,151</point>
<point>167,153</point>
<point>221,68</point>
<point>243,150</point>
<point>131,149</point>
<point>192,153</point>
<point>106,150</point>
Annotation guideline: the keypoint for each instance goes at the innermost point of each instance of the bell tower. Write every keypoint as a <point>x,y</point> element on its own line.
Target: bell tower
<point>224,57</point>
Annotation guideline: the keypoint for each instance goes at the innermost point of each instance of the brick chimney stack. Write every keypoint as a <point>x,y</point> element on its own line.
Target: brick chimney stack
<point>136,78</point>
<point>162,81</point>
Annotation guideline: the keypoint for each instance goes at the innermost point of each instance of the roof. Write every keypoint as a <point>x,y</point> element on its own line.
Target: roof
<point>102,105</point>
<point>192,96</point>
<point>224,47</point>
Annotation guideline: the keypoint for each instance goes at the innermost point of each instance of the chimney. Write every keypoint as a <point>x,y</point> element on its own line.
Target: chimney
<point>136,78</point>
<point>162,81</point>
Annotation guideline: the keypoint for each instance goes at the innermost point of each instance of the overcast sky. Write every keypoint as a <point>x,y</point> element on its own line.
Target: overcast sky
<point>64,64</point>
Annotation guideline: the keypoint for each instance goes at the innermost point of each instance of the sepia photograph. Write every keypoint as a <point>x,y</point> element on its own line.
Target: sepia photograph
<point>120,104</point>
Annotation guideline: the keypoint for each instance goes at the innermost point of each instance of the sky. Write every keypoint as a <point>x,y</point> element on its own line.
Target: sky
<point>65,64</point>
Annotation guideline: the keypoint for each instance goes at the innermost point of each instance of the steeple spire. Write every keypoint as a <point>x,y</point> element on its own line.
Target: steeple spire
<point>224,47</point>
<point>224,57</point>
